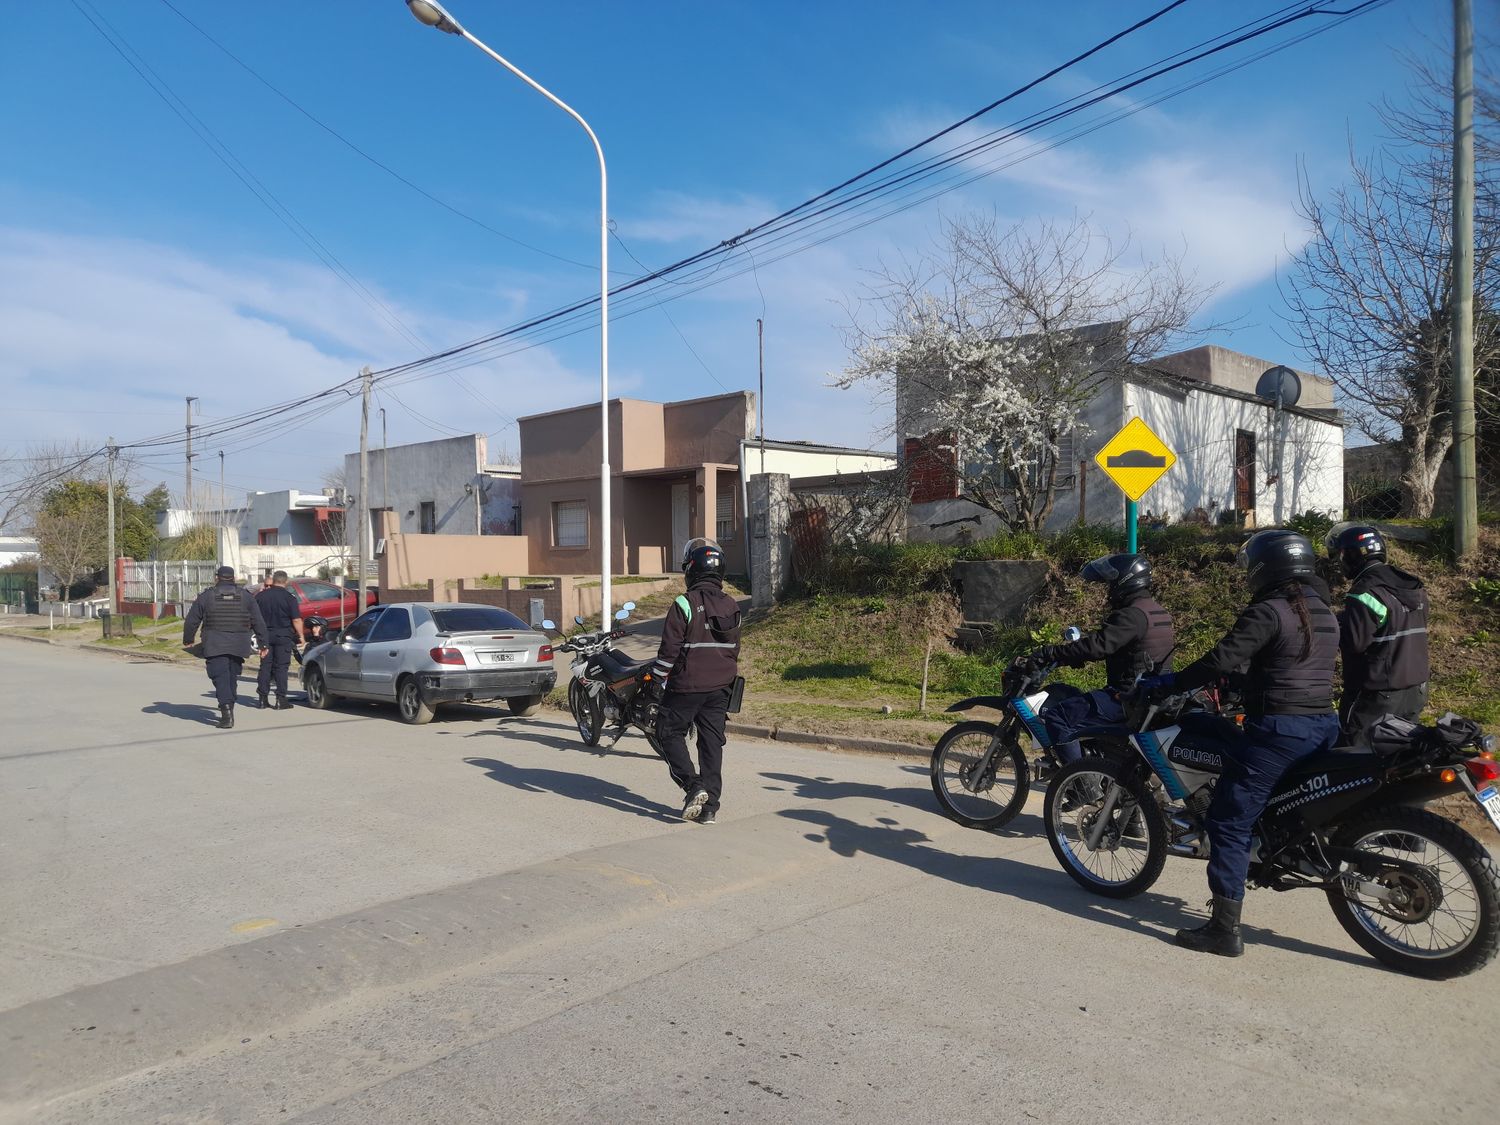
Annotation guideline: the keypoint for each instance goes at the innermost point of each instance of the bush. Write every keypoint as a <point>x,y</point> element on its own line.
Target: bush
<point>1314,525</point>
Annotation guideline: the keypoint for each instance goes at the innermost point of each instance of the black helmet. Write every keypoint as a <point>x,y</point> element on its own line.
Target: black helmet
<point>1126,574</point>
<point>1274,556</point>
<point>702,558</point>
<point>1356,545</point>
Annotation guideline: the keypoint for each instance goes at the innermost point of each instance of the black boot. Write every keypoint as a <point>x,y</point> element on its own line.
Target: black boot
<point>1220,934</point>
<point>226,716</point>
<point>262,702</point>
<point>283,703</point>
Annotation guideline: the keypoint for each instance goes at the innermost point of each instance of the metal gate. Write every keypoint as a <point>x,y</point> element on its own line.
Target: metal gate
<point>18,592</point>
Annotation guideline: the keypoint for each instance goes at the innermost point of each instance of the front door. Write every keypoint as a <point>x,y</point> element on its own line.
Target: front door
<point>1244,470</point>
<point>681,522</point>
<point>341,661</point>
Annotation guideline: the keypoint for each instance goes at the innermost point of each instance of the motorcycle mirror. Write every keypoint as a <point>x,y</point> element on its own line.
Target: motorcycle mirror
<point>578,620</point>
<point>628,606</point>
<point>1072,633</point>
<point>621,614</point>
<point>547,623</point>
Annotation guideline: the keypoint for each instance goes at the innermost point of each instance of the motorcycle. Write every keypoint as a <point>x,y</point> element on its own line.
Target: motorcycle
<point>1412,888</point>
<point>981,771</point>
<point>607,688</point>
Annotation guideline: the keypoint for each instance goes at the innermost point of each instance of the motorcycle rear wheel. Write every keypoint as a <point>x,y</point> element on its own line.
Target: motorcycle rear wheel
<point>588,714</point>
<point>1438,941</point>
<point>1133,848</point>
<point>975,801</point>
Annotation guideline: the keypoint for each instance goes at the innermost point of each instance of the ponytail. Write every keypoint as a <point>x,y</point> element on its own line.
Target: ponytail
<point>1292,592</point>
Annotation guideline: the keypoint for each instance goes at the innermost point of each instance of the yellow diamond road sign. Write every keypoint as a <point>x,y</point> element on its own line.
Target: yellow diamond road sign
<point>1135,458</point>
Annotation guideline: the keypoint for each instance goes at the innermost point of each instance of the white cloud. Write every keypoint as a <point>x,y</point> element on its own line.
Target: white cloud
<point>677,217</point>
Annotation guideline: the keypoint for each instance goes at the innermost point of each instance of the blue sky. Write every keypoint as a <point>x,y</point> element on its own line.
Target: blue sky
<point>135,269</point>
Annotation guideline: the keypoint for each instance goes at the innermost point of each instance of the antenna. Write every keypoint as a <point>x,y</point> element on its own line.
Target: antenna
<point>1283,387</point>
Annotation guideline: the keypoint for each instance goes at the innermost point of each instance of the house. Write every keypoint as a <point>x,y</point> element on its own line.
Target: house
<point>441,487</point>
<point>1237,453</point>
<point>678,470</point>
<point>283,518</point>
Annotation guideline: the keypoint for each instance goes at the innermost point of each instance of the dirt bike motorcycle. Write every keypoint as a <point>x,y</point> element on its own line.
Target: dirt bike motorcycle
<point>982,772</point>
<point>1412,888</point>
<point>608,688</point>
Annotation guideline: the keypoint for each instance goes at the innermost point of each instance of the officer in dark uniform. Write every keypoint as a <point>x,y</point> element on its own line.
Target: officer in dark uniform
<point>227,614</point>
<point>1382,633</point>
<point>1288,638</point>
<point>283,617</point>
<point>697,664</point>
<point>1136,639</point>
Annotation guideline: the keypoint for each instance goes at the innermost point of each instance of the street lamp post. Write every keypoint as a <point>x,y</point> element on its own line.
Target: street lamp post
<point>435,15</point>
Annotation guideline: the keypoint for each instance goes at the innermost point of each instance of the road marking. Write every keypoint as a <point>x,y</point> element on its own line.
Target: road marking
<point>250,925</point>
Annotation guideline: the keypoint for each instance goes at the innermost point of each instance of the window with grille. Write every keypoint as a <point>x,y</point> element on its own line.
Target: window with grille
<point>570,523</point>
<point>724,516</point>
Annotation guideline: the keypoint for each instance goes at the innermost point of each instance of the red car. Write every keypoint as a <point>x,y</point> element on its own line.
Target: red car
<point>323,599</point>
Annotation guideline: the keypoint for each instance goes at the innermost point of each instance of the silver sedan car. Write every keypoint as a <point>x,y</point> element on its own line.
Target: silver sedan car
<point>420,654</point>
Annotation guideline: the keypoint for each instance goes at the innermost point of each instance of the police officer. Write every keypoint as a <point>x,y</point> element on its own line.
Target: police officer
<point>283,617</point>
<point>697,665</point>
<point>1382,633</point>
<point>1288,638</point>
<point>1135,639</point>
<point>227,614</point>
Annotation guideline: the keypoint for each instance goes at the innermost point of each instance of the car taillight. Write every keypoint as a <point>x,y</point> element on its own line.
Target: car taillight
<point>545,653</point>
<point>1481,770</point>
<point>446,656</point>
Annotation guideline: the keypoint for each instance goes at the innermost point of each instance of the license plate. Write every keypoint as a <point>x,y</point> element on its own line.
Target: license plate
<point>1489,801</point>
<point>501,657</point>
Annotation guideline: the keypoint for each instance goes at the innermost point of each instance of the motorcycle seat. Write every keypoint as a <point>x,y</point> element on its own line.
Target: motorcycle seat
<point>617,667</point>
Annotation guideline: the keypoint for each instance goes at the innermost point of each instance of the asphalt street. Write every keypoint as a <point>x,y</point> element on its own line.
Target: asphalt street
<point>332,917</point>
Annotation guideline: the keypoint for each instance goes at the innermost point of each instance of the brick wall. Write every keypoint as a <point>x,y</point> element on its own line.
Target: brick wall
<point>930,469</point>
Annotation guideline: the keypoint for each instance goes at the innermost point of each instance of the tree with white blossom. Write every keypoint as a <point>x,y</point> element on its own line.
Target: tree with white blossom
<point>992,345</point>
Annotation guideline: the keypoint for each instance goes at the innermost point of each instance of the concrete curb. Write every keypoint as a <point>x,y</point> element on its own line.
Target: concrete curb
<point>139,654</point>
<point>828,741</point>
<point>25,637</point>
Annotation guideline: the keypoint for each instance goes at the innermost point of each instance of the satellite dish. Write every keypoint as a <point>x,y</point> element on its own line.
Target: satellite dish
<point>1279,385</point>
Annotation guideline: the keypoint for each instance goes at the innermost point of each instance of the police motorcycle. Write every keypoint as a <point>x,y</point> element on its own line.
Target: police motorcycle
<point>1412,888</point>
<point>981,771</point>
<point>606,689</point>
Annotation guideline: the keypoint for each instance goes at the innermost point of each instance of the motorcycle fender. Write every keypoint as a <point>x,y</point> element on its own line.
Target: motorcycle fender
<point>997,702</point>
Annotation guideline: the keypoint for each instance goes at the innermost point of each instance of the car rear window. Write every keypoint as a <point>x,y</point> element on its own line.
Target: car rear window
<point>476,619</point>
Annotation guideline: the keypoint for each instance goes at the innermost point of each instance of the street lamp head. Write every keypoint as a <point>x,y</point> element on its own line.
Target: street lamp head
<point>435,15</point>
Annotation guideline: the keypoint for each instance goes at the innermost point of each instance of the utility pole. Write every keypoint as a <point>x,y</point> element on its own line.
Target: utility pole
<point>223,507</point>
<point>114,583</point>
<point>187,486</point>
<point>385,467</point>
<point>1465,498</point>
<point>362,506</point>
<point>760,348</point>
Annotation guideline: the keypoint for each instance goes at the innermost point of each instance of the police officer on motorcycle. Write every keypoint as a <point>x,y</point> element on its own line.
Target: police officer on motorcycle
<point>1382,633</point>
<point>696,667</point>
<point>1135,639</point>
<point>228,614</point>
<point>1288,638</point>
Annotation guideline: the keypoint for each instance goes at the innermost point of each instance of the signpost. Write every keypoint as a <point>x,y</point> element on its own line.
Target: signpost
<point>1135,459</point>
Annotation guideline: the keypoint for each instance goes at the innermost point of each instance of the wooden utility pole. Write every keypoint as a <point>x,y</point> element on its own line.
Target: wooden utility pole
<point>361,504</point>
<point>114,585</point>
<point>760,347</point>
<point>1465,497</point>
<point>187,484</point>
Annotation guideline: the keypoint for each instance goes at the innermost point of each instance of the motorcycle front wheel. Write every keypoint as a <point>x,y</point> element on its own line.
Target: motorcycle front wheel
<point>1105,827</point>
<point>588,714</point>
<point>1439,924</point>
<point>977,788</point>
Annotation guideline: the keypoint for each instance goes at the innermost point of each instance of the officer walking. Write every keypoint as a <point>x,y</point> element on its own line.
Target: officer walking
<point>1382,633</point>
<point>697,665</point>
<point>283,617</point>
<point>227,614</point>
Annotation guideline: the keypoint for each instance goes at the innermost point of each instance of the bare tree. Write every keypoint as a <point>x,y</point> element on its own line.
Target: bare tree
<point>992,344</point>
<point>334,481</point>
<point>1370,299</point>
<point>25,478</point>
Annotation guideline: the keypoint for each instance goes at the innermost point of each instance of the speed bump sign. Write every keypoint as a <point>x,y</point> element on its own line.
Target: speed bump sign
<point>1135,458</point>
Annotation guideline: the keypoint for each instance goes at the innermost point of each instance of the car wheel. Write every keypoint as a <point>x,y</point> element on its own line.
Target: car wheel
<point>524,705</point>
<point>318,696</point>
<point>409,703</point>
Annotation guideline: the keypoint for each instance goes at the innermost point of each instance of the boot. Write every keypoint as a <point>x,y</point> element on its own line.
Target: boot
<point>1220,934</point>
<point>283,703</point>
<point>262,701</point>
<point>226,716</point>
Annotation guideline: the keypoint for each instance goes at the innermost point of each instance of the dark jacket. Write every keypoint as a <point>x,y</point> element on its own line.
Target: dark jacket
<point>279,606</point>
<point>227,614</point>
<point>1383,631</point>
<point>1135,639</point>
<point>700,640</point>
<point>1266,643</point>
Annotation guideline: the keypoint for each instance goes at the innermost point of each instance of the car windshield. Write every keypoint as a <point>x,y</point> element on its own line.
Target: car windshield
<point>475,619</point>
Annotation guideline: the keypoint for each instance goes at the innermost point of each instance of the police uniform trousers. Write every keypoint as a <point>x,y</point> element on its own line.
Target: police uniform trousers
<point>274,666</point>
<point>1069,710</point>
<point>224,671</point>
<point>1358,711</point>
<point>707,711</point>
<point>1253,765</point>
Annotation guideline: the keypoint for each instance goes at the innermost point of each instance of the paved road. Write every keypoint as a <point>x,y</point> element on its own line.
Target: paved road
<point>330,917</point>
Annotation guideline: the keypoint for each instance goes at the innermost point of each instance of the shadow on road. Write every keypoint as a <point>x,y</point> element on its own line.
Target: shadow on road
<point>580,787</point>
<point>192,712</point>
<point>831,789</point>
<point>556,742</point>
<point>1150,913</point>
